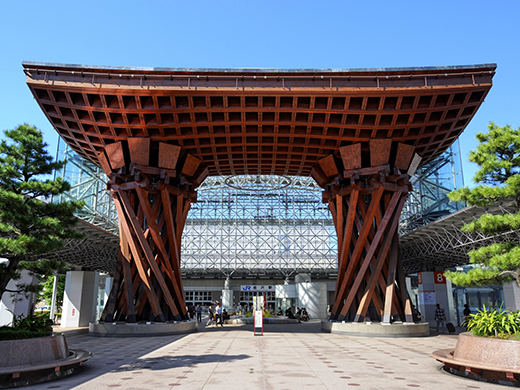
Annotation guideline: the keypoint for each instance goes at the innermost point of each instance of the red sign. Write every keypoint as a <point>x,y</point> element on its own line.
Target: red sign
<point>439,278</point>
<point>419,277</point>
<point>73,312</point>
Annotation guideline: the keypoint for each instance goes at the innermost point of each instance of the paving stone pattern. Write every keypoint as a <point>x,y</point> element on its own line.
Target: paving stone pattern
<point>285,357</point>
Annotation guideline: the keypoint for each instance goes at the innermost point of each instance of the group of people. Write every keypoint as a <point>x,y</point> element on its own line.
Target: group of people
<point>217,316</point>
<point>301,314</point>
<point>440,316</point>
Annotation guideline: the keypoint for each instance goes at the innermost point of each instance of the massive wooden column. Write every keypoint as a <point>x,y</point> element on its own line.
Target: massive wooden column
<point>366,190</point>
<point>152,186</point>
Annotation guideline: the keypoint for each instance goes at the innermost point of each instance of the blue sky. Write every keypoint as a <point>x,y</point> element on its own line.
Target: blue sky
<point>282,34</point>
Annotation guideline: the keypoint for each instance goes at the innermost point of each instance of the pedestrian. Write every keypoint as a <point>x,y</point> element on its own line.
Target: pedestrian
<point>218,314</point>
<point>440,317</point>
<point>211,313</point>
<point>199,313</point>
<point>467,314</point>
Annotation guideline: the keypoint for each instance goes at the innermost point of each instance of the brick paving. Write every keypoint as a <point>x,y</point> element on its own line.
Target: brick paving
<point>286,357</point>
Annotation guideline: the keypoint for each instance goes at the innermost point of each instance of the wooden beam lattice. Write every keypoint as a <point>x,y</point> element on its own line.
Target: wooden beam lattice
<point>366,203</point>
<point>152,203</point>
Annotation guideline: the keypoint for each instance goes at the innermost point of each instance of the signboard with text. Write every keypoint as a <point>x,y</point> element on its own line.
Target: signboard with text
<point>256,288</point>
<point>439,278</point>
<point>258,307</point>
<point>427,297</point>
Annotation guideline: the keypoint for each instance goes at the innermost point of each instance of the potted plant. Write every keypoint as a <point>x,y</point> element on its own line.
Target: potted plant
<point>491,350</point>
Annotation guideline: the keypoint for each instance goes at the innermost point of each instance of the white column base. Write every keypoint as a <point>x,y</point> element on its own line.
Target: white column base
<point>80,298</point>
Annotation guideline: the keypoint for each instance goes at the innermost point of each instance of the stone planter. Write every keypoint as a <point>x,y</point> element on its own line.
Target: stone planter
<point>124,329</point>
<point>376,329</point>
<point>29,361</point>
<point>483,358</point>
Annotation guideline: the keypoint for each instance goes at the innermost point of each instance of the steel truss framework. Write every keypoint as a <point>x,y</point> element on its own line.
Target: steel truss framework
<point>431,183</point>
<point>88,183</point>
<point>97,250</point>
<point>442,244</point>
<point>263,226</point>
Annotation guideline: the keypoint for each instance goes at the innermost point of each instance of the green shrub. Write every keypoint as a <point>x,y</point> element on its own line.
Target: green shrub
<point>248,314</point>
<point>494,323</point>
<point>268,314</point>
<point>8,333</point>
<point>34,325</point>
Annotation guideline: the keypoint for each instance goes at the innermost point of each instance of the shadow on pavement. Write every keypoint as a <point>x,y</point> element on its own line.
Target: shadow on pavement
<point>167,362</point>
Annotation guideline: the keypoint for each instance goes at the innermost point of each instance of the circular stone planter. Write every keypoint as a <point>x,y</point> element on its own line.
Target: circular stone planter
<point>123,329</point>
<point>483,358</point>
<point>28,361</point>
<point>376,329</point>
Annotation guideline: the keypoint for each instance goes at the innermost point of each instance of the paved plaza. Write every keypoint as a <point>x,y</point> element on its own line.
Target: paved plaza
<point>285,357</point>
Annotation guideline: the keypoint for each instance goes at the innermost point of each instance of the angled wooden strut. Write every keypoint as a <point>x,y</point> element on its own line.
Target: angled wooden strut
<point>366,200</point>
<point>152,202</point>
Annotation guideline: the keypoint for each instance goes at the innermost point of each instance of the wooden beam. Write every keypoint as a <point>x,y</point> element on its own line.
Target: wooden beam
<point>139,150</point>
<point>386,244</point>
<point>172,239</point>
<point>115,155</point>
<point>351,156</point>
<point>318,175</point>
<point>128,290</point>
<point>108,311</point>
<point>328,166</point>
<point>168,155</point>
<point>404,156</point>
<point>390,283</point>
<point>154,229</point>
<point>147,285</point>
<point>389,213</point>
<point>344,250</point>
<point>104,163</point>
<point>190,165</point>
<point>374,204</point>
<point>380,151</point>
<point>404,291</point>
<point>132,218</point>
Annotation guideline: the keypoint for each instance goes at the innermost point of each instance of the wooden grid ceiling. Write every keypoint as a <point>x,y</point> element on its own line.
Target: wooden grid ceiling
<point>246,121</point>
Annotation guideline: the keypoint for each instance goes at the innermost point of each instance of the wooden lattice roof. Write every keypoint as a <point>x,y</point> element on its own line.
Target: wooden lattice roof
<point>259,121</point>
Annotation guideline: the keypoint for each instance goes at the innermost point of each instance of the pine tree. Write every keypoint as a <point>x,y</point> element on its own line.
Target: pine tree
<point>30,225</point>
<point>498,156</point>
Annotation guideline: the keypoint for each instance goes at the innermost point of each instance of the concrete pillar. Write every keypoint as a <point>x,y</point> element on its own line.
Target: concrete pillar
<point>311,296</point>
<point>18,304</point>
<point>108,286</point>
<point>80,298</point>
<point>435,288</point>
<point>511,296</point>
<point>54,295</point>
<point>227,294</point>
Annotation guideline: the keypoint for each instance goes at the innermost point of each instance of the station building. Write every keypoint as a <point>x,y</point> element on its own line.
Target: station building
<point>264,230</point>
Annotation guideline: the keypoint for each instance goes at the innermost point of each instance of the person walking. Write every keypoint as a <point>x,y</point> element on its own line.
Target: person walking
<point>218,312</point>
<point>199,313</point>
<point>440,317</point>
<point>211,313</point>
<point>467,314</point>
